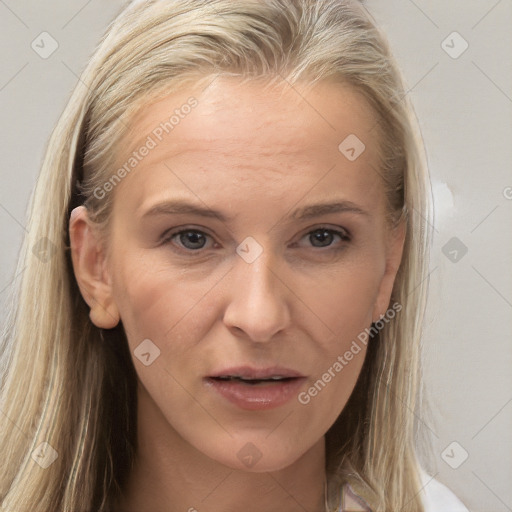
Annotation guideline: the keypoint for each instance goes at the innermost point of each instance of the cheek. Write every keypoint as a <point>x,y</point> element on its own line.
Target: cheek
<point>346,301</point>
<point>328,391</point>
<point>343,299</point>
<point>158,303</point>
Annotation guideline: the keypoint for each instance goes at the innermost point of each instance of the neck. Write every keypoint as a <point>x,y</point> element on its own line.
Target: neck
<point>170,475</point>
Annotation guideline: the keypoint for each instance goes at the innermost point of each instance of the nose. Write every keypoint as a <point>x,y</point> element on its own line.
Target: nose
<point>258,299</point>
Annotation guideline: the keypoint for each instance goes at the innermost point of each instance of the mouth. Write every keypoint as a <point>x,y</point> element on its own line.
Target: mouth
<point>256,376</point>
<point>256,389</point>
<point>254,382</point>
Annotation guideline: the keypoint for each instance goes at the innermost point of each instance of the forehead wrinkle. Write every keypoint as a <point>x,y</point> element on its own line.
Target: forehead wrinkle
<point>241,150</point>
<point>287,142</point>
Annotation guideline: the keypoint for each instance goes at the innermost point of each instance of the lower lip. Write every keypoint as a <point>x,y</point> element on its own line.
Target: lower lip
<point>257,397</point>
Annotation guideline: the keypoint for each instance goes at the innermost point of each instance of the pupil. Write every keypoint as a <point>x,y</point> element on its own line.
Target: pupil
<point>321,236</point>
<point>191,237</point>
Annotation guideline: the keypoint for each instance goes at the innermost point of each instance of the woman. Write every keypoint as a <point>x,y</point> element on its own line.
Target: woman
<point>234,275</point>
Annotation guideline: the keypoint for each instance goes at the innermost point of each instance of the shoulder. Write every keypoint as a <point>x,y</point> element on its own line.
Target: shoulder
<point>436,497</point>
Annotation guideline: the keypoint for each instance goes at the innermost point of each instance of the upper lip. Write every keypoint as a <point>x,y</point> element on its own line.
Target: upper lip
<point>248,372</point>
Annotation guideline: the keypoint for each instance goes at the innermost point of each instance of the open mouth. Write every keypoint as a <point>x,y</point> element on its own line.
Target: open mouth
<point>256,390</point>
<point>254,382</point>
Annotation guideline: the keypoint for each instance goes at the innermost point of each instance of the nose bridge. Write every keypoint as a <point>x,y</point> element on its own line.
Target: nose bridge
<point>258,304</point>
<point>260,274</point>
<point>256,263</point>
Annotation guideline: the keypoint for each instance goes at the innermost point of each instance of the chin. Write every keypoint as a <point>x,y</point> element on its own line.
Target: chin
<point>254,457</point>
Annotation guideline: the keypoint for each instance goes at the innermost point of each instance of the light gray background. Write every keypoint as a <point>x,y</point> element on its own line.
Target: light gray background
<point>464,105</point>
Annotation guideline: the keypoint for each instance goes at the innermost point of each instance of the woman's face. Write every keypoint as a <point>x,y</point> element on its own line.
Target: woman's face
<point>276,284</point>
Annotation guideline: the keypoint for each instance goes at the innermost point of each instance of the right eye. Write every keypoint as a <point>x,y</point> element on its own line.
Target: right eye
<point>188,240</point>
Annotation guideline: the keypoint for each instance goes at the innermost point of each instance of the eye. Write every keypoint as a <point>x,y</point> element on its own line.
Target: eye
<point>193,240</point>
<point>324,237</point>
<point>189,239</point>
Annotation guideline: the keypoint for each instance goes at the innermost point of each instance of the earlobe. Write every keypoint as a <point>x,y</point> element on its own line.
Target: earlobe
<point>393,259</point>
<point>89,265</point>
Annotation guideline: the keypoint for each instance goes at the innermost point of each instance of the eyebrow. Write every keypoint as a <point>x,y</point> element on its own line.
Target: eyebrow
<point>180,206</point>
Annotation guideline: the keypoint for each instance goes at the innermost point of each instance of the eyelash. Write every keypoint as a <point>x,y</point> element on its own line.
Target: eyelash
<point>167,238</point>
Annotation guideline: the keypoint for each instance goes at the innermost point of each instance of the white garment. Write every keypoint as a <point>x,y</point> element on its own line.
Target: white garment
<point>436,497</point>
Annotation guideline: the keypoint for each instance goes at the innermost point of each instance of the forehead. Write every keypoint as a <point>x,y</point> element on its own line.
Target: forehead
<point>250,135</point>
<point>247,111</point>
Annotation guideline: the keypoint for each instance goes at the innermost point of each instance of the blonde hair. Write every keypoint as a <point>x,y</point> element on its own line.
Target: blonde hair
<point>72,385</point>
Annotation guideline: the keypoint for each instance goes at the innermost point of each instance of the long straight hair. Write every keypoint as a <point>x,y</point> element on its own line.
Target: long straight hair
<point>68,389</point>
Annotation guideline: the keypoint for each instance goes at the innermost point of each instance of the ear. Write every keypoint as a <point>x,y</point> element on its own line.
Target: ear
<point>89,265</point>
<point>394,250</point>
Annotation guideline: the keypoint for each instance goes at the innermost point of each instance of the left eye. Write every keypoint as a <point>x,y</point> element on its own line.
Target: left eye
<point>194,240</point>
<point>325,236</point>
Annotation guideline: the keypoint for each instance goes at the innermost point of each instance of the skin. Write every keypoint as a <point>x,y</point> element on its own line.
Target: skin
<point>256,155</point>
